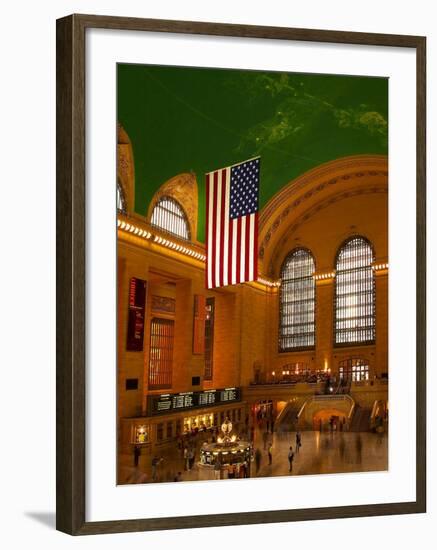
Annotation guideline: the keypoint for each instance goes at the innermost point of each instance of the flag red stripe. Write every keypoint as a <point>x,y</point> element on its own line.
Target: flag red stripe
<point>208,258</point>
<point>238,251</point>
<point>247,250</point>
<point>230,248</point>
<point>214,230</point>
<point>222,227</point>
<point>255,248</point>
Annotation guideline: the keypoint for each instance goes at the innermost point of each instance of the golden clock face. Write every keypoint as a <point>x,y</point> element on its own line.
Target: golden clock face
<point>227,426</point>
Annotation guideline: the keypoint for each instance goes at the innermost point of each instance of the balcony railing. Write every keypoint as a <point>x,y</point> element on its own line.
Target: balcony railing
<point>325,386</point>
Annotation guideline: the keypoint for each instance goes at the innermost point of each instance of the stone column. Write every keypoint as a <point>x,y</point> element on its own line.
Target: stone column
<point>381,284</point>
<point>325,290</point>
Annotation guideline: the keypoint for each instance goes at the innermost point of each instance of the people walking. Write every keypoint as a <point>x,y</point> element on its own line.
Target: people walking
<point>190,459</point>
<point>217,470</point>
<point>298,441</point>
<point>290,459</point>
<point>186,464</point>
<point>155,462</point>
<point>270,453</point>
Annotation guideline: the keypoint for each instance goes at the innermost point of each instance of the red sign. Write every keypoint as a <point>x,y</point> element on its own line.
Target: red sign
<point>135,325</point>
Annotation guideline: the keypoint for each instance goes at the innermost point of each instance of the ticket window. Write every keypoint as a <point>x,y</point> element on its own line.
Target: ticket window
<point>169,431</point>
<point>141,434</point>
<point>209,420</point>
<point>206,421</point>
<point>159,432</point>
<point>191,423</point>
<point>200,422</point>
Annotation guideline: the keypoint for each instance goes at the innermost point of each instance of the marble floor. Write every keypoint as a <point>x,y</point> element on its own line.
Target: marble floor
<point>320,453</point>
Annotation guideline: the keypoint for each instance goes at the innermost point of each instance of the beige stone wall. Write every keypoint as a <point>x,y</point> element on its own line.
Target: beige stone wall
<point>131,263</point>
<point>226,352</point>
<point>247,316</point>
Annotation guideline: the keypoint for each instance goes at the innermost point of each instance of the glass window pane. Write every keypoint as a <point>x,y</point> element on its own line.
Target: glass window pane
<point>209,338</point>
<point>169,216</point>
<point>121,200</point>
<point>161,353</point>
<point>297,302</point>
<point>355,293</point>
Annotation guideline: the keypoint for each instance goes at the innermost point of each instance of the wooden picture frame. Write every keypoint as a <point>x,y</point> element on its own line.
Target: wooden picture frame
<point>71,253</point>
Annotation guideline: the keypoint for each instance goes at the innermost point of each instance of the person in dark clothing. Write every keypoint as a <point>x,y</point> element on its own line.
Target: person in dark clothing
<point>270,453</point>
<point>298,441</point>
<point>155,462</point>
<point>137,454</point>
<point>359,448</point>
<point>191,458</point>
<point>257,460</point>
<point>290,459</point>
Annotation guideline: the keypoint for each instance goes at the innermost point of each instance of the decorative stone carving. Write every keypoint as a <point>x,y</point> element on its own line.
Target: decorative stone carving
<point>125,167</point>
<point>305,216</point>
<point>163,304</point>
<point>285,203</point>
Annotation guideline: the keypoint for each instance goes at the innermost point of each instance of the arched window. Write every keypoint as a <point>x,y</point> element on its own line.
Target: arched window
<point>168,215</point>
<point>355,293</point>
<point>297,302</point>
<point>294,371</point>
<point>121,200</point>
<point>354,369</point>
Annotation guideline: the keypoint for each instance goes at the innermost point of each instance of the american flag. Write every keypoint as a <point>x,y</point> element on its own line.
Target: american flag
<point>232,224</point>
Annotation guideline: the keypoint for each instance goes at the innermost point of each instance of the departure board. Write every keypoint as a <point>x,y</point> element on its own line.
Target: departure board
<point>173,402</point>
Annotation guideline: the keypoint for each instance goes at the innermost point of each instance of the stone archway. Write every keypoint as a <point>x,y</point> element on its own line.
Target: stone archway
<point>310,195</point>
<point>326,416</point>
<point>324,407</point>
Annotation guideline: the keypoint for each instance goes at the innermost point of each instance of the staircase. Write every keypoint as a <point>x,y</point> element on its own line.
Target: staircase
<point>361,419</point>
<point>287,421</point>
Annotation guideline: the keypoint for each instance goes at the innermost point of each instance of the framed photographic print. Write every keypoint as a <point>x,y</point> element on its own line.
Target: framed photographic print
<point>241,274</point>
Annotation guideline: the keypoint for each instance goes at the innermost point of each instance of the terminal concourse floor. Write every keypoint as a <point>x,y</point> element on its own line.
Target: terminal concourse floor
<point>320,453</point>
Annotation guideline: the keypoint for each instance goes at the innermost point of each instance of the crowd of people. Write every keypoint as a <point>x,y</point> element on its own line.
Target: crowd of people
<point>305,376</point>
<point>267,438</point>
<point>260,433</point>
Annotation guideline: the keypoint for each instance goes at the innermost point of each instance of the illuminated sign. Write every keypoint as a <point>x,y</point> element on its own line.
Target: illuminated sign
<point>173,402</point>
<point>135,324</point>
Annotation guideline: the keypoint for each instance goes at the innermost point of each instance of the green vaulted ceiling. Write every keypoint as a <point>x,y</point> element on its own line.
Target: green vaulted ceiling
<point>189,119</point>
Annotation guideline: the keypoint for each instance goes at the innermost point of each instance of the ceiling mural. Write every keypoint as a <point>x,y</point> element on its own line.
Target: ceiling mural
<point>191,120</point>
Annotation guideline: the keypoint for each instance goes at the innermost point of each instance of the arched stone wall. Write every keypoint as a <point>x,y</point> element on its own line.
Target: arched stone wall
<point>125,167</point>
<point>333,200</point>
